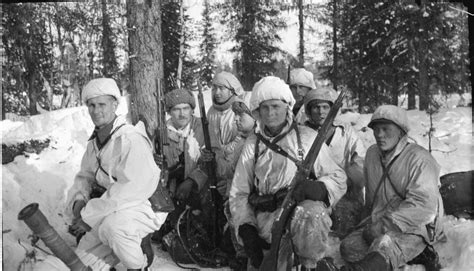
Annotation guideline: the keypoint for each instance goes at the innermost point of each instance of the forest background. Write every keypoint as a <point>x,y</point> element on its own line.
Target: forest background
<point>381,51</point>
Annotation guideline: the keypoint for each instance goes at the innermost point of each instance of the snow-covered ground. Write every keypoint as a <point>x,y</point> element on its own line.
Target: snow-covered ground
<point>45,178</point>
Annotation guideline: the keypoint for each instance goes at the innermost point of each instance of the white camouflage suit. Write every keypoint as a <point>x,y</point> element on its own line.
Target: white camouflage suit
<point>122,216</point>
<point>310,223</point>
<point>407,203</point>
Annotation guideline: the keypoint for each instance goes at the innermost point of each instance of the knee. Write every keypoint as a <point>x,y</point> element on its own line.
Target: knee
<point>111,227</point>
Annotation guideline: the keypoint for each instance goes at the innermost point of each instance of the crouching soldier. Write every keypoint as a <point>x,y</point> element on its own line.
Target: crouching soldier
<point>119,158</point>
<point>347,151</point>
<point>402,196</point>
<point>266,167</point>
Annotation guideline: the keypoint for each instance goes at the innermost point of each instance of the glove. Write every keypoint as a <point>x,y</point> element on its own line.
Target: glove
<point>312,190</point>
<point>158,160</point>
<point>77,207</point>
<point>372,231</point>
<point>79,227</point>
<point>184,189</point>
<point>207,155</point>
<point>253,244</point>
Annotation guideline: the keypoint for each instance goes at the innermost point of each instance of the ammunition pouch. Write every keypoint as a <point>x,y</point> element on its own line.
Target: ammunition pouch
<point>269,202</point>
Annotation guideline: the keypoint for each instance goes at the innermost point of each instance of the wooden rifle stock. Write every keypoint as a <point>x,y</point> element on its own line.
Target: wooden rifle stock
<point>210,166</point>
<point>161,132</point>
<point>270,262</point>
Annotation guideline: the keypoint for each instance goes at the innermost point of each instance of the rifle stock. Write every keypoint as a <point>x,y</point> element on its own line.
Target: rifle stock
<point>270,262</point>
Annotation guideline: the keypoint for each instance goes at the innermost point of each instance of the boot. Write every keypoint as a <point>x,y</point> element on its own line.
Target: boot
<point>326,264</point>
<point>374,261</point>
<point>147,249</point>
<point>428,258</point>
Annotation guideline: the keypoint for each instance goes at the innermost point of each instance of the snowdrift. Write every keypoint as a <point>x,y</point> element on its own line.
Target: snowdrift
<point>46,178</point>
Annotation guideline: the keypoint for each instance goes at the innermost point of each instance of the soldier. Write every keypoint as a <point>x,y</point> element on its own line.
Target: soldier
<point>224,136</point>
<point>119,158</point>
<point>301,81</point>
<point>263,174</point>
<point>402,196</point>
<point>185,138</point>
<point>246,127</point>
<point>346,150</point>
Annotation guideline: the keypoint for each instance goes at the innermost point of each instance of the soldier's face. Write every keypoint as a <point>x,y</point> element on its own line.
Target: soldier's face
<point>299,92</point>
<point>244,123</point>
<point>318,111</point>
<point>181,115</point>
<point>387,135</point>
<point>102,109</point>
<point>273,113</point>
<point>220,94</point>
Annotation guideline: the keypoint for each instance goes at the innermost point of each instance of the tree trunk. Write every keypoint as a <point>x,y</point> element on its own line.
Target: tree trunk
<point>301,33</point>
<point>179,71</point>
<point>146,58</point>
<point>32,93</point>
<point>423,91</point>
<point>394,90</point>
<point>362,96</point>
<point>334,43</point>
<point>411,97</point>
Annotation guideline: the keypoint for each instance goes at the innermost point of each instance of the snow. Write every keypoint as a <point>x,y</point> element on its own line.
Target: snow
<point>45,178</point>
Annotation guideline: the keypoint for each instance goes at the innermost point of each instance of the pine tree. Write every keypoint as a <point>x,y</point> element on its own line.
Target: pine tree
<point>254,25</point>
<point>110,65</point>
<point>208,45</point>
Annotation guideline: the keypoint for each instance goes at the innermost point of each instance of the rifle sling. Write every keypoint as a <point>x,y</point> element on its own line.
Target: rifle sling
<point>384,177</point>
<point>276,148</point>
<point>107,139</point>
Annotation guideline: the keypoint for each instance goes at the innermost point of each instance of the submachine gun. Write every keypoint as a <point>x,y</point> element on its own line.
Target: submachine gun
<point>270,262</point>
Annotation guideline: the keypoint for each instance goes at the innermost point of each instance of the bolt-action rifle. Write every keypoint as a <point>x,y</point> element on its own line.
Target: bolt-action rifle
<point>161,199</point>
<point>210,166</point>
<point>270,262</point>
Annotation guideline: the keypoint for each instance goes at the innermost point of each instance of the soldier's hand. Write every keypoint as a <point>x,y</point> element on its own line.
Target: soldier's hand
<point>79,227</point>
<point>372,231</point>
<point>77,207</point>
<point>158,159</point>
<point>207,155</point>
<point>222,187</point>
<point>253,244</point>
<point>310,189</point>
<point>184,189</point>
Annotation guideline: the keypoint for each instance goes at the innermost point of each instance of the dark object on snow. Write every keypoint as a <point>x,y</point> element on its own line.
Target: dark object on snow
<point>190,243</point>
<point>347,214</point>
<point>40,226</point>
<point>9,152</point>
<point>428,258</point>
<point>456,191</point>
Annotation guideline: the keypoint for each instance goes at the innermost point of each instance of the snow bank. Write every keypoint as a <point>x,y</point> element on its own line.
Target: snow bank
<point>47,177</point>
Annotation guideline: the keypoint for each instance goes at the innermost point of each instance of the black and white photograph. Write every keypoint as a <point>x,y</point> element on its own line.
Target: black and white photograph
<point>259,135</point>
